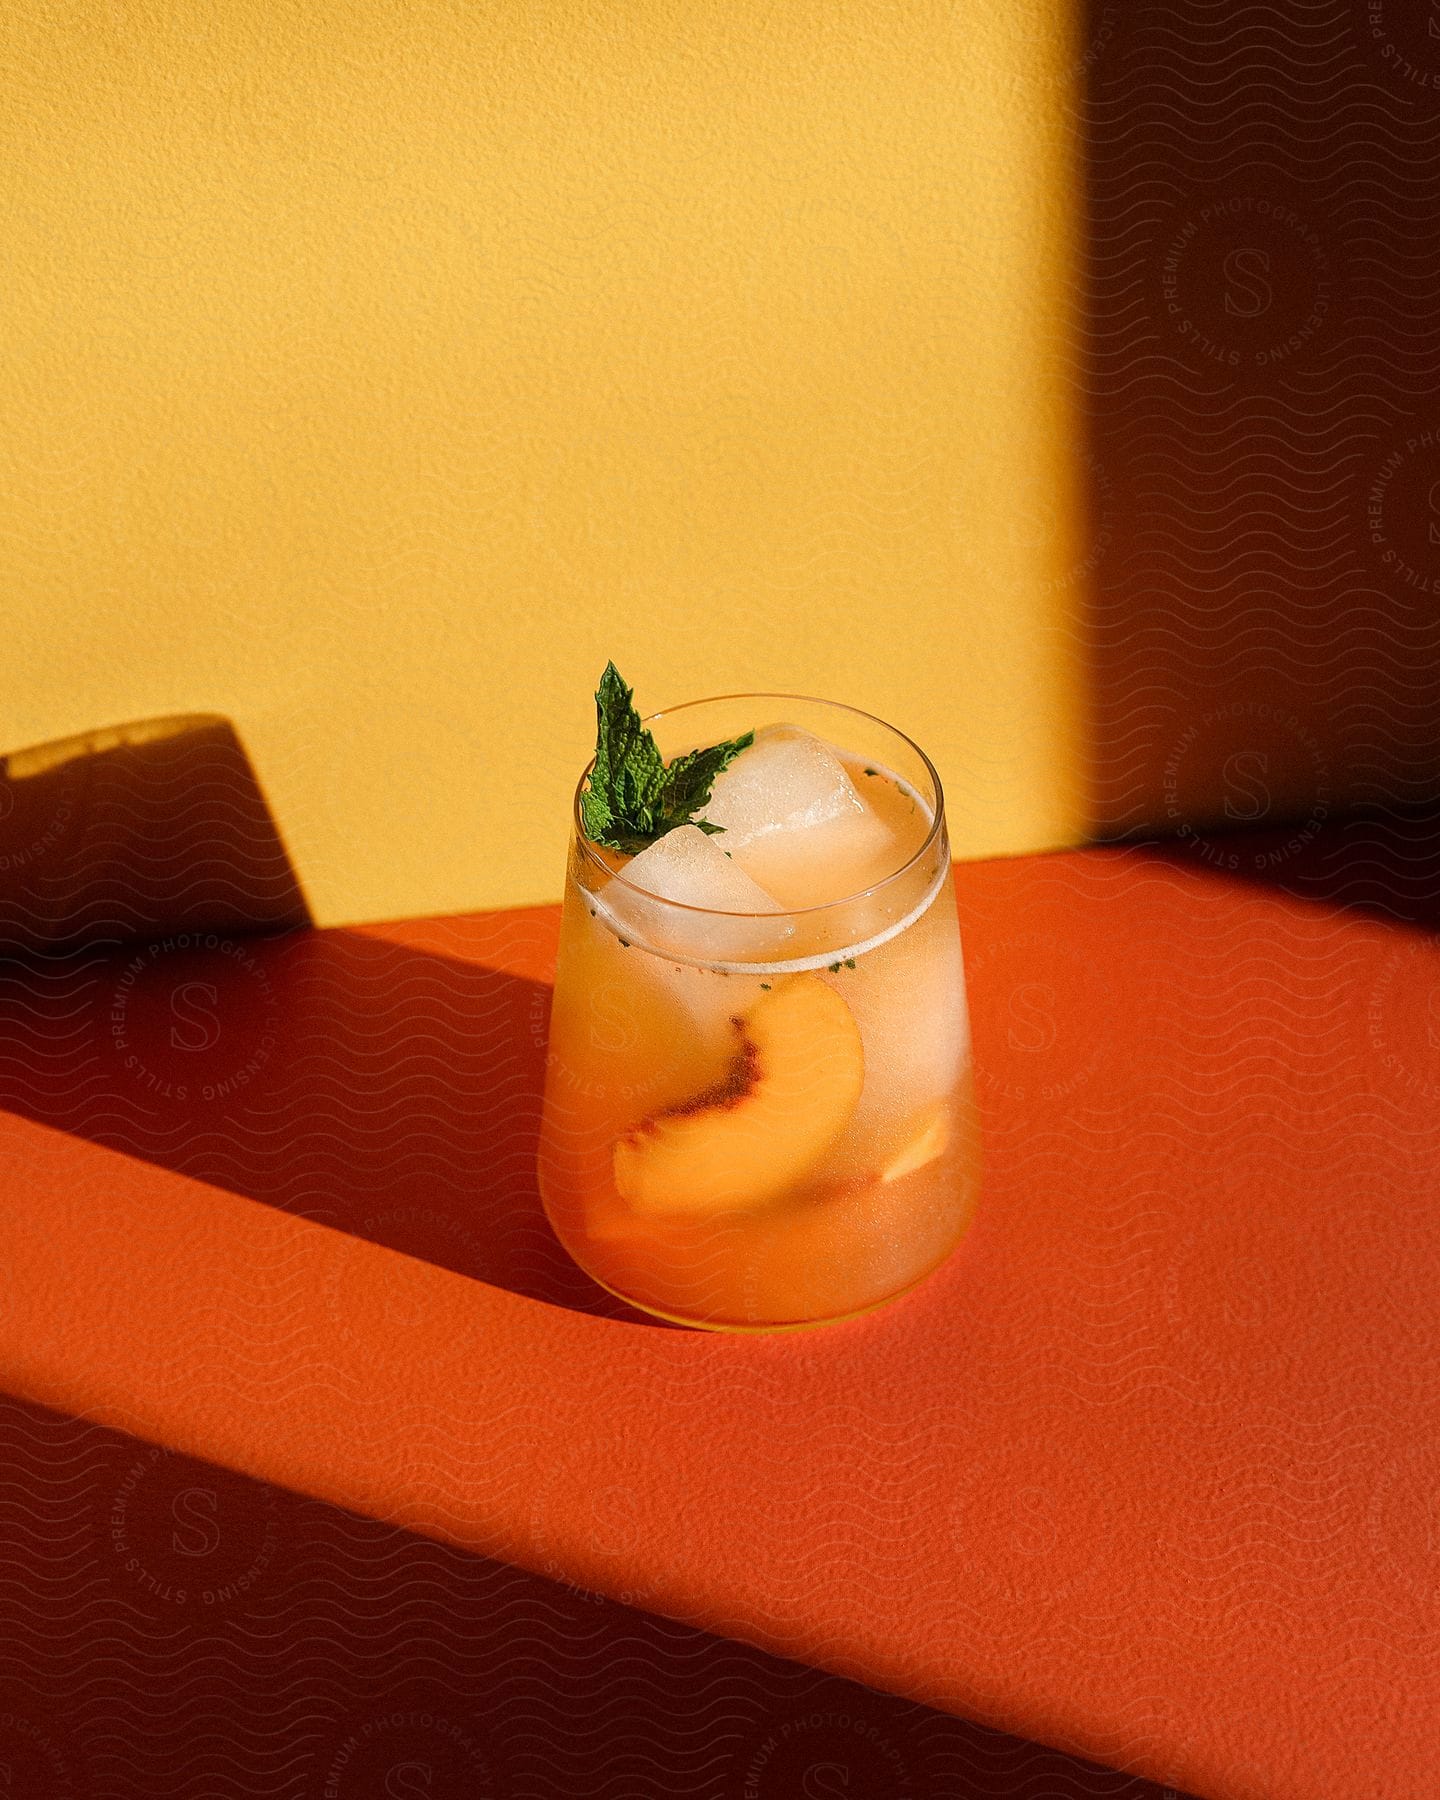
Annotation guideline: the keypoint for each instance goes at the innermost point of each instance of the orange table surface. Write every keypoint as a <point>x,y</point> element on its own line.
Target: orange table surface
<point>1148,1471</point>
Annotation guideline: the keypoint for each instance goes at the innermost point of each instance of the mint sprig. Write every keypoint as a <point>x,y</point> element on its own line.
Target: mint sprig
<point>634,796</point>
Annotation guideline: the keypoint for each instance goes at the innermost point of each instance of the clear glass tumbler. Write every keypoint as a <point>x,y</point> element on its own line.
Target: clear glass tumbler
<point>763,1120</point>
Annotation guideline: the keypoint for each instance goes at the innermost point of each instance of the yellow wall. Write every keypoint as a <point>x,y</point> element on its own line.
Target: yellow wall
<point>374,369</point>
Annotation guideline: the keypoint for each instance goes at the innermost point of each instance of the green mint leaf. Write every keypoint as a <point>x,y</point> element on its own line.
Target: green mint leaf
<point>617,807</point>
<point>633,797</point>
<point>689,779</point>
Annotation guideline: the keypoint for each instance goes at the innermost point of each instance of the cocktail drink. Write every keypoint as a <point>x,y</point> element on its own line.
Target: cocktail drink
<point>758,1106</point>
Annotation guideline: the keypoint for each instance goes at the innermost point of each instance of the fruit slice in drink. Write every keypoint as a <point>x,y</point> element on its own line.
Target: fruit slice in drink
<point>792,1085</point>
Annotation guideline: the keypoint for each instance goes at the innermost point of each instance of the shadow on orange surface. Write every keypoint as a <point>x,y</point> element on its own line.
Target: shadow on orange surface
<point>378,1087</point>
<point>1384,865</point>
<point>256,1640</point>
<point>173,1628</point>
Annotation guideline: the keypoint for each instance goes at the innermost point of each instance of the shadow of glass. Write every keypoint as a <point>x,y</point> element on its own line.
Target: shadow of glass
<point>384,1090</point>
<point>158,825</point>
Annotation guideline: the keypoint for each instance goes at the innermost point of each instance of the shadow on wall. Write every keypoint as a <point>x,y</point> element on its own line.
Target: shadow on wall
<point>1262,349</point>
<point>136,829</point>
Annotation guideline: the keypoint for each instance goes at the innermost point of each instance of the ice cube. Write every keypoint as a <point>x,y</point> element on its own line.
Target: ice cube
<point>793,820</point>
<point>908,998</point>
<point>688,868</point>
<point>788,780</point>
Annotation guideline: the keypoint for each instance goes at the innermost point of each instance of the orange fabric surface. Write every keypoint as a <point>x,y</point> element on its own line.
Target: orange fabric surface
<point>1147,1471</point>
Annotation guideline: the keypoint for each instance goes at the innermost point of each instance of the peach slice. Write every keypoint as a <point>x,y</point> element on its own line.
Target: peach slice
<point>788,1095</point>
<point>930,1141</point>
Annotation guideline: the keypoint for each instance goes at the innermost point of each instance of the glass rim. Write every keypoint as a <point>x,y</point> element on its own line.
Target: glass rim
<point>591,851</point>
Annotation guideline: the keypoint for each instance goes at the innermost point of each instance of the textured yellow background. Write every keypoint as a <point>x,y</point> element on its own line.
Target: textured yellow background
<point>373,371</point>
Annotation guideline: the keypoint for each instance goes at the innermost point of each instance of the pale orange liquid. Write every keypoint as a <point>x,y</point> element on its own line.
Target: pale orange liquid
<point>633,1033</point>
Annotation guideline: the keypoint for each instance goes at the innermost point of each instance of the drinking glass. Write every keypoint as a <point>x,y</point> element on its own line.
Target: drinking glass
<point>765,1120</point>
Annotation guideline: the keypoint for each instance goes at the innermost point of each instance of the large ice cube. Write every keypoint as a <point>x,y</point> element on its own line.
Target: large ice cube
<point>793,820</point>
<point>787,780</point>
<point>687,867</point>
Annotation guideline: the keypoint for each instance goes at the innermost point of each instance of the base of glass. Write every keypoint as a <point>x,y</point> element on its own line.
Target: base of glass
<point>859,1312</point>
